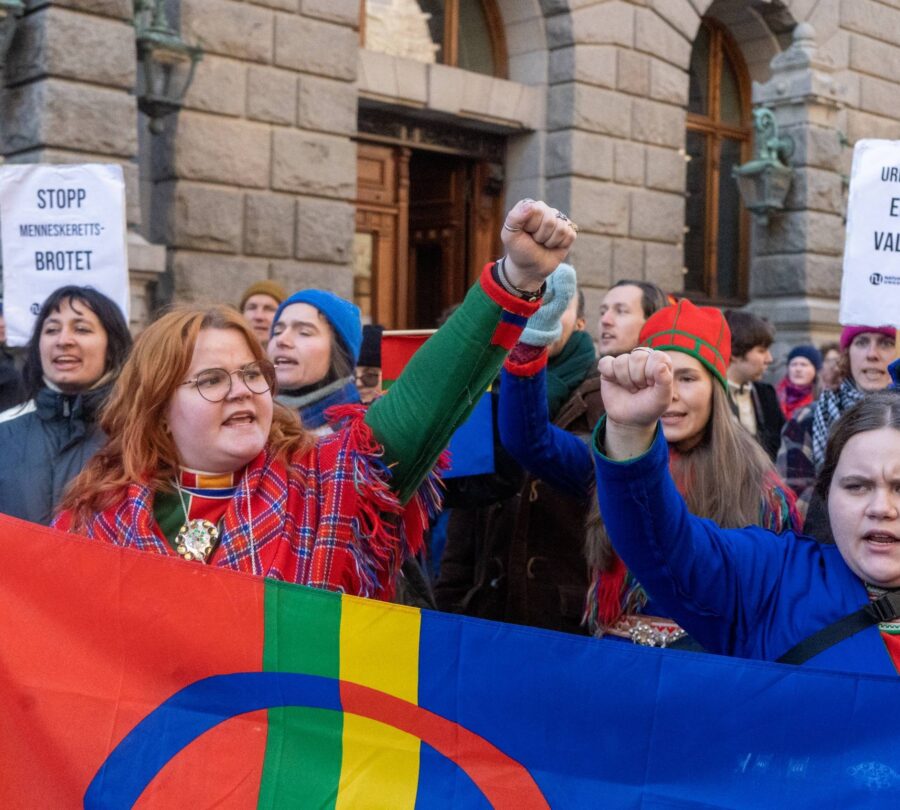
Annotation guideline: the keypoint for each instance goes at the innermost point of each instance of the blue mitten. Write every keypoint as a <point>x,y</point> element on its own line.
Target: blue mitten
<point>545,326</point>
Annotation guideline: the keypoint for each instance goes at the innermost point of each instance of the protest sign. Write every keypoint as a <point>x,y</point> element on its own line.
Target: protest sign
<point>60,225</point>
<point>870,288</point>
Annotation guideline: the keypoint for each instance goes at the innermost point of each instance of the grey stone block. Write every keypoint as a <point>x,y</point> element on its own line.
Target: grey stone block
<point>802,231</point>
<point>663,265</point>
<point>325,230</point>
<point>229,28</point>
<point>657,123</point>
<point>875,58</point>
<point>796,274</point>
<point>219,86</point>
<point>627,259</point>
<point>213,278</point>
<point>665,169</point>
<point>60,113</point>
<point>345,12</point>
<point>873,19</point>
<point>572,151</point>
<point>44,45</point>
<point>629,163</point>
<point>591,256</point>
<point>317,47</point>
<point>318,165</point>
<point>597,207</point>
<point>216,149</point>
<point>865,125</point>
<point>817,190</point>
<point>656,36</point>
<point>816,146</point>
<point>278,5</point>
<point>681,15</point>
<point>604,23</point>
<point>668,83</point>
<point>633,72</point>
<point>269,224</point>
<point>326,105</point>
<point>200,217</point>
<point>657,215</point>
<point>271,95</point>
<point>592,64</point>
<point>589,108</point>
<point>302,275</point>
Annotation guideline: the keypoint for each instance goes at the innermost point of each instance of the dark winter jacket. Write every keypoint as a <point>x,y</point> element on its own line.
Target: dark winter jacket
<point>44,449</point>
<point>10,381</point>
<point>524,558</point>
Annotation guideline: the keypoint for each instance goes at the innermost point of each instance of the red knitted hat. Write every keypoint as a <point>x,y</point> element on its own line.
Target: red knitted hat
<point>698,331</point>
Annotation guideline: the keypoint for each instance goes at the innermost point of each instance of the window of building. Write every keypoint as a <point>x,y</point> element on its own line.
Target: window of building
<point>718,138</point>
<point>463,33</point>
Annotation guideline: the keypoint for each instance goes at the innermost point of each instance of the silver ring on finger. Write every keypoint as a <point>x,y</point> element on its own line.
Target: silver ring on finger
<point>510,228</point>
<point>642,349</point>
<point>562,216</point>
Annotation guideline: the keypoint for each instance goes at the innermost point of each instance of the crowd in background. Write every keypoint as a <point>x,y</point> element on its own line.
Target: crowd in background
<point>234,436</point>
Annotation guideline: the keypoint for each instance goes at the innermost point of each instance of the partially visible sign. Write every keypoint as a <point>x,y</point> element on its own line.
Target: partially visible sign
<point>60,225</point>
<point>870,288</point>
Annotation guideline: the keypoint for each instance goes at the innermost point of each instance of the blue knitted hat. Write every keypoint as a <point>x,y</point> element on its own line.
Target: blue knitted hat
<point>810,353</point>
<point>343,317</point>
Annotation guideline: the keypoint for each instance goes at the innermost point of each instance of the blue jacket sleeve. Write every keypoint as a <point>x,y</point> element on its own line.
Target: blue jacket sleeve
<point>747,592</point>
<point>554,455</point>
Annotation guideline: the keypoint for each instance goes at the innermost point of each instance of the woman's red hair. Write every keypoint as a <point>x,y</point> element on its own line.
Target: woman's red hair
<point>139,447</point>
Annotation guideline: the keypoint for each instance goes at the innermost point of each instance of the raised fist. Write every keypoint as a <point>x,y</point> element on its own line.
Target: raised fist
<point>537,238</point>
<point>636,390</point>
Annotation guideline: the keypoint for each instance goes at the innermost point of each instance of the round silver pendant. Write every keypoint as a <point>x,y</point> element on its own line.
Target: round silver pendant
<point>196,539</point>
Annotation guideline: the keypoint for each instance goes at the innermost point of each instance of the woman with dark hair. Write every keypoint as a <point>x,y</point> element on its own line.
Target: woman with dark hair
<point>79,344</point>
<point>703,440</point>
<point>316,338</point>
<point>865,354</point>
<point>747,591</point>
<point>201,463</point>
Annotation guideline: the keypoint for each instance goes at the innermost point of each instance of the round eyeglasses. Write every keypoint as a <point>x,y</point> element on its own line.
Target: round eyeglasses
<point>214,384</point>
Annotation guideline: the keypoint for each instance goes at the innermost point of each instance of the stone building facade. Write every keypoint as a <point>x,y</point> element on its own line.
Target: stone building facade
<point>308,153</point>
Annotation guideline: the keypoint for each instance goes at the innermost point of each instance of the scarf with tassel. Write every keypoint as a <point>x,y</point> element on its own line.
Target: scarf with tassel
<point>326,517</point>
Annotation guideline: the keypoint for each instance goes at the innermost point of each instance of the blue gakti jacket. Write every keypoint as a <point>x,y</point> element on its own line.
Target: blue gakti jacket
<point>743,592</point>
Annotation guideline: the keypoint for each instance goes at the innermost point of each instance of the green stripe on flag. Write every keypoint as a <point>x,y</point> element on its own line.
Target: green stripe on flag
<point>304,746</point>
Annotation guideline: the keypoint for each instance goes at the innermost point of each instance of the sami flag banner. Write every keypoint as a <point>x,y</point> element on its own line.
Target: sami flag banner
<point>472,445</point>
<point>131,679</point>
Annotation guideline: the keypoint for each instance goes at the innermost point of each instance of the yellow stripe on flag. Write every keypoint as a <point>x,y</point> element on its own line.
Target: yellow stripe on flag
<point>379,649</point>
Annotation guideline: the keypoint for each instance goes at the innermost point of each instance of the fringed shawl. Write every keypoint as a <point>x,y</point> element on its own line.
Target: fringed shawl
<point>327,518</point>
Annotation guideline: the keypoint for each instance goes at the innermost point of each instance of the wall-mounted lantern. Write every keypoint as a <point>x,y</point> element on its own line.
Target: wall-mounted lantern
<point>10,11</point>
<point>764,181</point>
<point>166,63</point>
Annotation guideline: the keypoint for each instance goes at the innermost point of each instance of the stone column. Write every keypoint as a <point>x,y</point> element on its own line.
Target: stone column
<point>795,272</point>
<point>615,146</point>
<point>257,177</point>
<point>68,98</point>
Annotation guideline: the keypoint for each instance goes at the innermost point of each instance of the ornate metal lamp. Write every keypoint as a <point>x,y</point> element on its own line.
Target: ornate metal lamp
<point>166,63</point>
<point>10,11</point>
<point>764,181</point>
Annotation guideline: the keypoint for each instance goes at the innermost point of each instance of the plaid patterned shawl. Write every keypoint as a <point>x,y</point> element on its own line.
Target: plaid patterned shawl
<point>327,518</point>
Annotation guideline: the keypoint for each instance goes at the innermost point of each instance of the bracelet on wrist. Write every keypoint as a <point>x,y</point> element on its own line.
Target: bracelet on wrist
<point>526,295</point>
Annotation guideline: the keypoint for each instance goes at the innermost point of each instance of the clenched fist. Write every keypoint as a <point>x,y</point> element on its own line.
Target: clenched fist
<point>537,238</point>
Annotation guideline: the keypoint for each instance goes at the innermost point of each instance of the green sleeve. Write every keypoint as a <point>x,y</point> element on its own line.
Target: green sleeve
<point>443,381</point>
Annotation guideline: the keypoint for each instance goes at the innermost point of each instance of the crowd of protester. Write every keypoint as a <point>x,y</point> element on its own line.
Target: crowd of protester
<point>667,496</point>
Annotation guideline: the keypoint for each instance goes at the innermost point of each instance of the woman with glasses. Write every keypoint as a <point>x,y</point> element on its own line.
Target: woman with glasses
<point>79,343</point>
<point>201,462</point>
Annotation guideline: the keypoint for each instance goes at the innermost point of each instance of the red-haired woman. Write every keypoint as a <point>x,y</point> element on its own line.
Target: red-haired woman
<point>202,463</point>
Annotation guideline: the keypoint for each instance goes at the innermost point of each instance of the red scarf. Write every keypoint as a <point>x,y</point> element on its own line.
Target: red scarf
<point>792,398</point>
<point>326,518</point>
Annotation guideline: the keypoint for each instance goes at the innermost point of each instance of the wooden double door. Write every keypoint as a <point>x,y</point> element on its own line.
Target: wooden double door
<point>426,222</point>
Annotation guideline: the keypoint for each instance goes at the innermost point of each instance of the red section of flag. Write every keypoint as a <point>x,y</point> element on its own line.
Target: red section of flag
<point>92,639</point>
<point>396,351</point>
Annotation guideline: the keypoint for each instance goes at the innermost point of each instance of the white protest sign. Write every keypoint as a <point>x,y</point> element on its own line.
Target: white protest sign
<point>60,225</point>
<point>870,287</point>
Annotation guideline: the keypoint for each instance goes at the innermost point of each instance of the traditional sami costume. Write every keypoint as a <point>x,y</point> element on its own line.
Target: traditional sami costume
<point>344,514</point>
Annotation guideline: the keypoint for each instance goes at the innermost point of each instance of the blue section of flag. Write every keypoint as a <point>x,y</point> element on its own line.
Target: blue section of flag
<point>607,723</point>
<point>472,445</point>
<point>511,317</point>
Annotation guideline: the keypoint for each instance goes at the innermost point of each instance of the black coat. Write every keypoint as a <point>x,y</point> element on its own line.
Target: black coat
<point>521,559</point>
<point>769,417</point>
<point>43,450</point>
<point>10,381</point>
